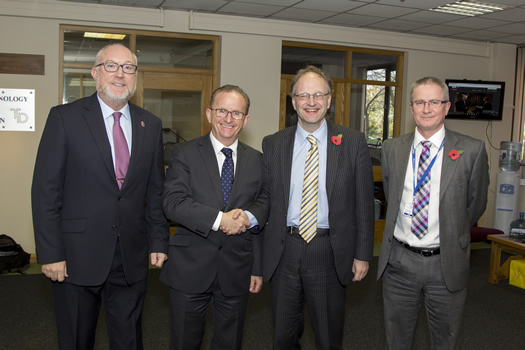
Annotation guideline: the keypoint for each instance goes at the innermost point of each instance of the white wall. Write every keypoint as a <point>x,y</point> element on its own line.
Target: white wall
<point>250,58</point>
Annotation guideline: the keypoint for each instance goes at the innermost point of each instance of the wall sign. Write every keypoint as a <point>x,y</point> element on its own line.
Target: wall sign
<point>17,109</point>
<point>13,63</point>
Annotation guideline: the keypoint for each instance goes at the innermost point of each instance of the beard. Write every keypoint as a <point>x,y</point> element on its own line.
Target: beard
<point>115,99</point>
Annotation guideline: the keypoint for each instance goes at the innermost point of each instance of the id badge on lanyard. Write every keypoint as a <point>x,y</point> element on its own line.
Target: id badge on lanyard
<point>409,207</point>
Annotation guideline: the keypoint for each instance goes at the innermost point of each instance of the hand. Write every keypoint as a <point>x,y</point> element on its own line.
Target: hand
<point>55,271</point>
<point>360,269</point>
<point>234,222</point>
<point>157,259</point>
<point>256,283</point>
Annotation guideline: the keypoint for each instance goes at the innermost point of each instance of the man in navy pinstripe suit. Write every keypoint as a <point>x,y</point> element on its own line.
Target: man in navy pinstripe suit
<point>317,272</point>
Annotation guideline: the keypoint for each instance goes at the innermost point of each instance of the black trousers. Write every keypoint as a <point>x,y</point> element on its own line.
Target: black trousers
<point>77,310</point>
<point>307,275</point>
<point>188,318</point>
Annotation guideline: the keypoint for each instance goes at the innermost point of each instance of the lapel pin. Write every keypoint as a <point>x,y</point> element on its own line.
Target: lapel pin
<point>142,124</point>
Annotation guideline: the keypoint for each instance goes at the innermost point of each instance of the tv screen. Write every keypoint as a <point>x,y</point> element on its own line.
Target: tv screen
<point>475,99</point>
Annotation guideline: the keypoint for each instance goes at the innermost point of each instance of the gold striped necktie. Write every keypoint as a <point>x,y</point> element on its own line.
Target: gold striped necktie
<point>308,221</point>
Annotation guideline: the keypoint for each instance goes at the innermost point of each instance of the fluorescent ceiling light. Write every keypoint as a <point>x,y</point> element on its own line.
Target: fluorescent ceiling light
<point>470,8</point>
<point>104,36</point>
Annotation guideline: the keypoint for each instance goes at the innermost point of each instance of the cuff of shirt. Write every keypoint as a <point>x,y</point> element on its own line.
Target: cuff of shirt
<point>217,222</point>
<point>254,224</point>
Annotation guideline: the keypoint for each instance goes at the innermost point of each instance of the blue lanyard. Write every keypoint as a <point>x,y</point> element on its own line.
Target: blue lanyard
<point>420,182</point>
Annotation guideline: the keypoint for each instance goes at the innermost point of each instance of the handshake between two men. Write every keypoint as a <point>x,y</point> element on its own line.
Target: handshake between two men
<point>234,222</point>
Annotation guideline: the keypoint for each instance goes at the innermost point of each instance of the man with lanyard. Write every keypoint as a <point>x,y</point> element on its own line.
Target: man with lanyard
<point>436,183</point>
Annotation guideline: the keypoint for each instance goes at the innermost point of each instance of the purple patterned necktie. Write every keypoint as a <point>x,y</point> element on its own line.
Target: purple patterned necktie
<point>227,175</point>
<point>422,197</point>
<point>121,150</point>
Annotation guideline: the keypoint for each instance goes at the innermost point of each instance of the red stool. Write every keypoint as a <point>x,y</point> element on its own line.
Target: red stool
<point>479,234</point>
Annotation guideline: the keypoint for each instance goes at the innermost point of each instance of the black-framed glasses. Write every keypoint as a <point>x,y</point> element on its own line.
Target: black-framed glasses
<point>223,113</point>
<point>317,96</point>
<point>431,103</point>
<point>112,67</point>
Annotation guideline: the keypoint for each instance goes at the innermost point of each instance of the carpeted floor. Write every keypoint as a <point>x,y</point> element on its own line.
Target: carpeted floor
<point>494,315</point>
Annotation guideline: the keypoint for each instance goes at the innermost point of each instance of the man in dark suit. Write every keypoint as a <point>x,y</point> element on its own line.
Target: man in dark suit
<point>312,258</point>
<point>461,104</point>
<point>426,244</point>
<point>95,217</point>
<point>211,257</point>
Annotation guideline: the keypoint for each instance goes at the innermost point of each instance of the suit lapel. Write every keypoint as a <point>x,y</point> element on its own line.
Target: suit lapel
<point>449,166</point>
<point>210,161</point>
<point>138,133</point>
<point>286,161</point>
<point>95,121</point>
<point>332,159</point>
<point>400,159</point>
<point>240,170</point>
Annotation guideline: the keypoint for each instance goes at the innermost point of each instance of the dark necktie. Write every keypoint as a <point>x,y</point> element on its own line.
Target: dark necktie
<point>422,198</point>
<point>227,175</point>
<point>121,150</point>
<point>308,220</point>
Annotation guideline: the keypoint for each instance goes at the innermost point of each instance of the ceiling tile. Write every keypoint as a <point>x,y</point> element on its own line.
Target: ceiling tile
<point>249,9</point>
<point>476,23</point>
<point>136,3</point>
<point>282,3</point>
<point>440,30</point>
<point>382,11</point>
<point>408,16</point>
<point>479,35</point>
<point>205,5</point>
<point>514,15</point>
<point>394,24</point>
<point>514,39</point>
<point>515,28</point>
<point>430,17</point>
<point>328,5</point>
<point>303,14</point>
<point>349,20</point>
<point>417,4</point>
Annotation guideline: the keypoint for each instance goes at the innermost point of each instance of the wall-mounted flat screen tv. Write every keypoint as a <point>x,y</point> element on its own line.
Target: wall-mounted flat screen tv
<point>475,99</point>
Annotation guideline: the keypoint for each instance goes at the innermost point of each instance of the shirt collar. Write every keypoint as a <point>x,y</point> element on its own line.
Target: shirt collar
<point>107,111</point>
<point>218,146</point>
<point>436,139</point>
<point>320,134</point>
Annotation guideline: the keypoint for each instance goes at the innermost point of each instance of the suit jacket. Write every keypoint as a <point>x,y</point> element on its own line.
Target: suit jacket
<point>463,198</point>
<point>78,209</point>
<point>193,199</point>
<point>349,187</point>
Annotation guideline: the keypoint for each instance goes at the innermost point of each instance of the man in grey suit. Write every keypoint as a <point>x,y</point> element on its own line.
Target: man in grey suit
<point>436,183</point>
<point>211,257</point>
<point>315,270</point>
<point>95,221</point>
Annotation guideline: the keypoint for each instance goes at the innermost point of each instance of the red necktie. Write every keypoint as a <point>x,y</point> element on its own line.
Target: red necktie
<point>121,150</point>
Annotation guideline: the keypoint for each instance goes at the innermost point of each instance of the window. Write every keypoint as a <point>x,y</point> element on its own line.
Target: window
<point>176,76</point>
<point>365,86</point>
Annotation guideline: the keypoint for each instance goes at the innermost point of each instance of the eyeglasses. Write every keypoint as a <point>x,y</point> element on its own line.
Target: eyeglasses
<point>305,97</point>
<point>223,113</point>
<point>431,103</point>
<point>112,67</point>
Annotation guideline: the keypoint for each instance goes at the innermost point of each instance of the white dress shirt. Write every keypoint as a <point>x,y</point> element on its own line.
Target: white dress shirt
<point>402,230</point>
<point>217,148</point>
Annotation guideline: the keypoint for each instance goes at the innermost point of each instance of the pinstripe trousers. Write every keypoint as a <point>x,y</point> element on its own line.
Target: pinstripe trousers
<point>307,275</point>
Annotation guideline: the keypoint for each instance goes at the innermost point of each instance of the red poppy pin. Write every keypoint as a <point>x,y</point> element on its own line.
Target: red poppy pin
<point>454,154</point>
<point>336,140</point>
<point>142,124</point>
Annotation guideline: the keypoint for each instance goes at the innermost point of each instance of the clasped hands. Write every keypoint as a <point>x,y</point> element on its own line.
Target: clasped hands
<point>234,222</point>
